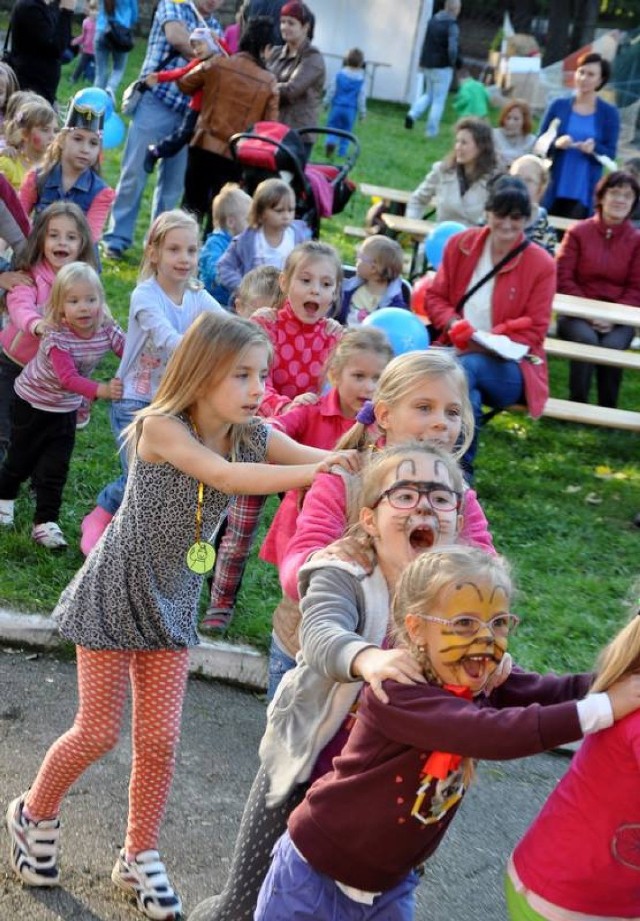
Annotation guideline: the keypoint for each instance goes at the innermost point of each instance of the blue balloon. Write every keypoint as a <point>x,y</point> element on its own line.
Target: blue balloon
<point>97,99</point>
<point>403,329</point>
<point>113,132</point>
<point>435,243</point>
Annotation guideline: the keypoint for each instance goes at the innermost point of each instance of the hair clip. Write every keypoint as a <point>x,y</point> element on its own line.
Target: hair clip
<point>366,415</point>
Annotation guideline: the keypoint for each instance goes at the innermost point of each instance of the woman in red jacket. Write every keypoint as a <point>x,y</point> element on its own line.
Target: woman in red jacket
<point>600,258</point>
<point>493,281</point>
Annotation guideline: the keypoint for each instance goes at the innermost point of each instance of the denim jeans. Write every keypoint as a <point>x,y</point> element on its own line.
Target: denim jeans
<point>493,382</point>
<point>151,123</point>
<point>121,414</point>
<point>279,664</point>
<point>435,86</point>
<point>103,52</point>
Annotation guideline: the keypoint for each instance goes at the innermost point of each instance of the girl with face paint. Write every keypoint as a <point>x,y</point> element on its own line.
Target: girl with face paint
<point>354,843</point>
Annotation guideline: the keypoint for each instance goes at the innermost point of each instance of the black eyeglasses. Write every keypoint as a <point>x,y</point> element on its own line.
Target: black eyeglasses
<point>405,496</point>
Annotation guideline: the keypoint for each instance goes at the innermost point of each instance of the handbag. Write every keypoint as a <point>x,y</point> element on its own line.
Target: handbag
<point>118,37</point>
<point>132,96</point>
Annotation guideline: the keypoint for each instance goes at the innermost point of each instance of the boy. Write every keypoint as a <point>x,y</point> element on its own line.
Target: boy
<point>230,213</point>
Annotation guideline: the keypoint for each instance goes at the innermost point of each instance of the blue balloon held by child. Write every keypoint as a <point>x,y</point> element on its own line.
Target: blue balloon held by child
<point>435,243</point>
<point>113,132</point>
<point>403,329</point>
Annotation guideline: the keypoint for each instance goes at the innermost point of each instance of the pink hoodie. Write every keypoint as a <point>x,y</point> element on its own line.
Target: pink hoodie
<point>26,304</point>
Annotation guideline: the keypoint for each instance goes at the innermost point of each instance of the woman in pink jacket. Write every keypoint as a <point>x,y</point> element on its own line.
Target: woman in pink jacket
<point>491,298</point>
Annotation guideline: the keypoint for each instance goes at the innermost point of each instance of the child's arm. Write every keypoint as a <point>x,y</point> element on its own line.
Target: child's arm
<point>282,449</point>
<point>14,223</point>
<point>231,268</point>
<point>475,527</point>
<point>99,212</point>
<point>168,76</point>
<point>28,194</point>
<point>213,249</point>
<point>24,310</point>
<point>70,379</point>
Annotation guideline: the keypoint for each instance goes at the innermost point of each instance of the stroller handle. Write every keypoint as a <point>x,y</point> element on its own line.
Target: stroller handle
<point>352,154</point>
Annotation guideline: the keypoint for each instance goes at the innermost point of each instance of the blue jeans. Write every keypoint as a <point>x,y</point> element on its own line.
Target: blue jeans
<point>279,664</point>
<point>294,891</point>
<point>104,79</point>
<point>493,382</point>
<point>151,123</point>
<point>341,117</point>
<point>121,414</point>
<point>435,86</point>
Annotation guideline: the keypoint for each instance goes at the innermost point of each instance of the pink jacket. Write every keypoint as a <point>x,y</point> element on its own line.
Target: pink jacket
<point>26,304</point>
<point>525,286</point>
<point>323,520</point>
<point>319,425</point>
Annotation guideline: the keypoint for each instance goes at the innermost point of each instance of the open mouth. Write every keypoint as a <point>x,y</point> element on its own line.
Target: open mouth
<point>476,667</point>
<point>422,537</point>
<point>311,308</point>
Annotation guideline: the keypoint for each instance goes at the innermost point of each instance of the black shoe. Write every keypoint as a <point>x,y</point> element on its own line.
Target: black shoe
<point>408,122</point>
<point>150,158</point>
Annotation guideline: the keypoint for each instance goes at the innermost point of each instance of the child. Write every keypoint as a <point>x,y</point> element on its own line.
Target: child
<point>204,45</point>
<point>164,304</point>
<point>71,167</point>
<point>230,213</point>
<point>347,97</point>
<point>303,338</point>
<point>535,175</point>
<point>78,332</point>
<point>377,281</point>
<point>472,97</point>
<point>409,758</point>
<point>345,640</point>
<point>60,235</point>
<point>259,288</point>
<point>86,66</point>
<point>8,86</point>
<point>28,134</point>
<point>131,610</point>
<point>270,237</point>
<point>592,817</point>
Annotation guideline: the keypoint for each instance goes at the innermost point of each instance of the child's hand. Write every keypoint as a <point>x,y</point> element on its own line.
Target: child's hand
<point>151,80</point>
<point>38,329</point>
<point>351,461</point>
<point>376,665</point>
<point>9,280</point>
<point>111,391</point>
<point>349,549</point>
<point>624,696</point>
<point>303,399</point>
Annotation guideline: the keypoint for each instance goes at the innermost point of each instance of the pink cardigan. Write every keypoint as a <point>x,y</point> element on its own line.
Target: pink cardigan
<point>25,304</point>
<point>525,286</point>
<point>323,520</point>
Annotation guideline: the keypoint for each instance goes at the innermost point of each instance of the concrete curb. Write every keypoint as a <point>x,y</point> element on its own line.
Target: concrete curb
<point>234,663</point>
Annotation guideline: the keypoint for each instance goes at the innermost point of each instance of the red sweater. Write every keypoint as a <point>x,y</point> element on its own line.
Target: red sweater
<point>525,286</point>
<point>601,261</point>
<point>355,824</point>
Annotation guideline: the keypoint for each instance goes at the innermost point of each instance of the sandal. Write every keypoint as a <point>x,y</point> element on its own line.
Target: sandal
<point>215,620</point>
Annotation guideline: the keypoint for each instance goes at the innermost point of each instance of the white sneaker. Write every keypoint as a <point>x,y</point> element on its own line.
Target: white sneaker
<point>34,847</point>
<point>146,878</point>
<point>48,535</point>
<point>6,512</point>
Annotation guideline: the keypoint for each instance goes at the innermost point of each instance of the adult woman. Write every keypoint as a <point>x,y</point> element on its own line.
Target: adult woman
<point>299,69</point>
<point>492,280</point>
<point>600,258</point>
<point>457,185</point>
<point>237,91</point>
<point>125,13</point>
<point>584,128</point>
<point>40,32</point>
<point>513,137</point>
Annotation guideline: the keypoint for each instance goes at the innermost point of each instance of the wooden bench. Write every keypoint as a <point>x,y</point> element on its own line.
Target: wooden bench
<point>414,228</point>
<point>589,414</point>
<point>594,354</point>
<point>397,197</point>
<point>568,305</point>
<point>351,231</point>
<point>560,223</point>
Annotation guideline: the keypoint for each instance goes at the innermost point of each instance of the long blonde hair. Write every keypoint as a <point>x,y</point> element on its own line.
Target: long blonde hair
<point>403,374</point>
<point>175,219</point>
<point>621,656</point>
<point>209,349</point>
<point>68,276</point>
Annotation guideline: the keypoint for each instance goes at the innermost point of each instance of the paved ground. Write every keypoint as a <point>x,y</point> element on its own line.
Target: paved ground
<point>217,761</point>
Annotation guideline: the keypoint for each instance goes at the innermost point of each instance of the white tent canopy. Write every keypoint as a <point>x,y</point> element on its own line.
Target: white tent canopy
<point>389,32</point>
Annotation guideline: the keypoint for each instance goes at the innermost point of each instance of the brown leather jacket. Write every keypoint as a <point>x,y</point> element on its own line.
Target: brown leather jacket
<point>237,92</point>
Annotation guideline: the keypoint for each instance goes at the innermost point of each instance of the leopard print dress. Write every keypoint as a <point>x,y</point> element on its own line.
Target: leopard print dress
<point>135,590</point>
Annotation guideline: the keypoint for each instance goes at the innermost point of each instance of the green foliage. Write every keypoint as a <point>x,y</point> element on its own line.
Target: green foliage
<point>559,497</point>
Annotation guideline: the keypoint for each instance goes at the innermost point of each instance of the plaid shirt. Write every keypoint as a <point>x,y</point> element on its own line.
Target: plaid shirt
<point>243,518</point>
<point>159,50</point>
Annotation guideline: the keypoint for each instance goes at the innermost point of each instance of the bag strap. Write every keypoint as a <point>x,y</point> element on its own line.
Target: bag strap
<point>494,271</point>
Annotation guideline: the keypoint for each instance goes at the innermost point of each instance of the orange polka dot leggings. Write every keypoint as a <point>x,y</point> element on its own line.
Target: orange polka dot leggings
<point>158,682</point>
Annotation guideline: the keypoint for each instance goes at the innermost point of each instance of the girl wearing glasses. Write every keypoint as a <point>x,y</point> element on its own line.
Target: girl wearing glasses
<point>355,842</point>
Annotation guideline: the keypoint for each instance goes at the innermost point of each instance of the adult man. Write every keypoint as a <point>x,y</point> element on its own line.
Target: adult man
<point>159,113</point>
<point>438,58</point>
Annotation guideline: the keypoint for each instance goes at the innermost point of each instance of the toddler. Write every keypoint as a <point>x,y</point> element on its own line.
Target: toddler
<point>78,332</point>
<point>230,214</point>
<point>259,288</point>
<point>377,281</point>
<point>472,97</point>
<point>86,66</point>
<point>346,97</point>
<point>28,134</point>
<point>270,237</point>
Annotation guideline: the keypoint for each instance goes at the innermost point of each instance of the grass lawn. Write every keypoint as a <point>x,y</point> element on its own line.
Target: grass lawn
<point>559,497</point>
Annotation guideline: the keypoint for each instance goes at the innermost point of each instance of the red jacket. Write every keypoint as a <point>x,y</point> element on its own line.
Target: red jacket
<point>525,286</point>
<point>601,261</point>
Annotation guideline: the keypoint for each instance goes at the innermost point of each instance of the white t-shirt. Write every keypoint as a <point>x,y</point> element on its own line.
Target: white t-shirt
<point>266,254</point>
<point>477,309</point>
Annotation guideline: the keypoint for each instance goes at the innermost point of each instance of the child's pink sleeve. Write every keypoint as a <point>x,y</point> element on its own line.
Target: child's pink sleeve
<point>23,308</point>
<point>68,375</point>
<point>322,520</point>
<point>28,194</point>
<point>475,527</point>
<point>99,211</point>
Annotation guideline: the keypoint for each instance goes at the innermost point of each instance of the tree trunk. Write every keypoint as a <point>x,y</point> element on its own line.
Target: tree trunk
<point>584,27</point>
<point>560,17</point>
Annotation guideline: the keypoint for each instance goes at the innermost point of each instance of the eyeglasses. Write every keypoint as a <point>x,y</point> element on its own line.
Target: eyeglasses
<point>467,625</point>
<point>405,495</point>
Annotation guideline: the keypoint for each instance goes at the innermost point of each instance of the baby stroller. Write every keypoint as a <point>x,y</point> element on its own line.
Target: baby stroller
<point>271,149</point>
